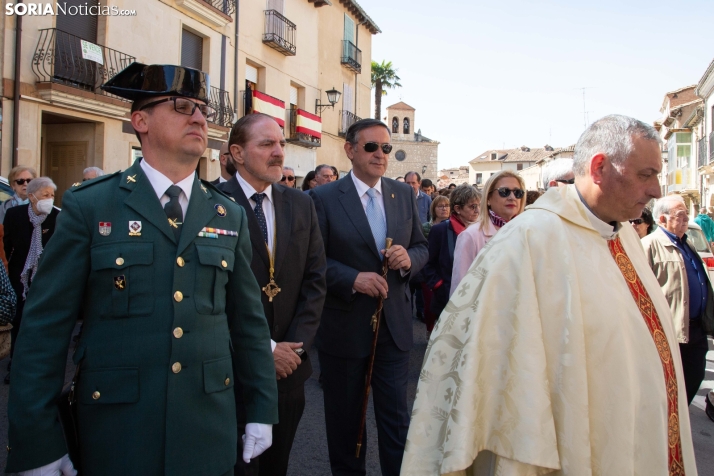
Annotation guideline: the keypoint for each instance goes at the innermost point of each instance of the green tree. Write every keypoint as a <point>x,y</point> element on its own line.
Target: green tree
<point>384,77</point>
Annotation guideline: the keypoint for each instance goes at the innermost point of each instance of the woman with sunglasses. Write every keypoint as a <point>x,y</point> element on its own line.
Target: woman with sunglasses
<point>645,224</point>
<point>19,177</point>
<point>464,205</point>
<point>504,198</point>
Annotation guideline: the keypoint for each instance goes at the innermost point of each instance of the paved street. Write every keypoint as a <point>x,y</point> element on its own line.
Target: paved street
<point>309,456</point>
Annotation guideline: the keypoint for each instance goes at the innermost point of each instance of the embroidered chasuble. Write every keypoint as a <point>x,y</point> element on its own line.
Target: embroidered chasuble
<point>553,356</point>
<point>649,313</point>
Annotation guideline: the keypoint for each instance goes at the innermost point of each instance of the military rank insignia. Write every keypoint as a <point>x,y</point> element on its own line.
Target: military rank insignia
<point>105,228</point>
<point>220,210</point>
<point>134,228</point>
<point>120,282</point>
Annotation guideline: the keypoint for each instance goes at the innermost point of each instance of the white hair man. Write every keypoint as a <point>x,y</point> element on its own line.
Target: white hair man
<point>558,173</point>
<point>91,172</point>
<point>561,306</point>
<point>685,282</point>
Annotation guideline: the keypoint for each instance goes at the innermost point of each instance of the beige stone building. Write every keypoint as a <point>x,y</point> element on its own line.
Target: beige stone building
<point>456,175</point>
<point>290,50</point>
<point>412,151</point>
<point>491,161</point>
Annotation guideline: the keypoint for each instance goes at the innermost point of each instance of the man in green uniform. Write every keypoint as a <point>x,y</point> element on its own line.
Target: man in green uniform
<point>158,264</point>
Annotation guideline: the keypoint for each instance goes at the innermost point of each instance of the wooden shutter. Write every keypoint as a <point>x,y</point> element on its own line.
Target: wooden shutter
<point>348,98</point>
<point>349,29</point>
<point>276,5</point>
<point>83,26</point>
<point>191,50</point>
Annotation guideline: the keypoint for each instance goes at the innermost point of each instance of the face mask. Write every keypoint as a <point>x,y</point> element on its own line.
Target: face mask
<point>45,206</point>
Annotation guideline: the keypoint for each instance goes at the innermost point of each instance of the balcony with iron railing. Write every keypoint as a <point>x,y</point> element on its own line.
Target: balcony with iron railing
<point>346,120</point>
<point>295,134</point>
<point>279,33</point>
<point>220,101</point>
<point>351,56</point>
<point>66,59</point>
<point>702,156</point>
<point>227,7</point>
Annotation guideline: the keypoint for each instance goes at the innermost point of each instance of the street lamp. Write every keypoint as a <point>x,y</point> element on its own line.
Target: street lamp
<point>333,96</point>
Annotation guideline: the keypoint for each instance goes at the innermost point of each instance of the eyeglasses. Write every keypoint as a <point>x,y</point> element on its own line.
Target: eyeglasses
<point>289,178</point>
<point>569,182</point>
<point>637,221</point>
<point>186,107</point>
<point>23,181</point>
<point>505,192</point>
<point>373,146</point>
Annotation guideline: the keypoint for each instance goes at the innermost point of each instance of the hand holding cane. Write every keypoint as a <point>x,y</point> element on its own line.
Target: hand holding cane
<point>376,318</point>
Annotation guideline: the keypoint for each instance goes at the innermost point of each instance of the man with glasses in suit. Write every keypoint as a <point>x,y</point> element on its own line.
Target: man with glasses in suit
<point>356,214</point>
<point>288,178</point>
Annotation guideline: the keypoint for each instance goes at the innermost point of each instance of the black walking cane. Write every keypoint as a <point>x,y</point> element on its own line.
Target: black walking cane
<point>368,378</point>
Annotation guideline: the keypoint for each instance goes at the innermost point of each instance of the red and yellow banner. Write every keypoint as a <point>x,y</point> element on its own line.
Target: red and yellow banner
<point>309,124</point>
<point>269,105</point>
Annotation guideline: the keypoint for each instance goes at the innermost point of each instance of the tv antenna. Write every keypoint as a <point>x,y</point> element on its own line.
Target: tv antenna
<point>585,111</point>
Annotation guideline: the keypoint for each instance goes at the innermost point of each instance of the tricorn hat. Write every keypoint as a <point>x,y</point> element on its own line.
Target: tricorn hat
<point>139,81</point>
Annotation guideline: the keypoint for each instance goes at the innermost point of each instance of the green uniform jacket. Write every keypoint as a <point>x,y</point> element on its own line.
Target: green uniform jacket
<point>155,390</point>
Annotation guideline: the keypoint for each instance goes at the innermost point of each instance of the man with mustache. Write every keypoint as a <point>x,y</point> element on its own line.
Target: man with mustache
<point>356,214</point>
<point>289,265</point>
<point>165,303</point>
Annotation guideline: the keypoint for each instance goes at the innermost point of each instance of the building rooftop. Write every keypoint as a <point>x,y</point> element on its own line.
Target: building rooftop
<point>522,154</point>
<point>401,105</point>
<point>353,7</point>
<point>679,97</point>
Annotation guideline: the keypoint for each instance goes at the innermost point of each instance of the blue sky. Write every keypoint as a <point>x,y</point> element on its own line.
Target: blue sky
<point>487,75</point>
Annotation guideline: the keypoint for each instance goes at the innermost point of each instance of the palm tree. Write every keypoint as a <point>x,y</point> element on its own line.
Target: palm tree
<point>384,77</point>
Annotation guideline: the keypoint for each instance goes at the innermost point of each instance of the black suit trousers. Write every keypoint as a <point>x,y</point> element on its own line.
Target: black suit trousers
<point>274,461</point>
<point>343,382</point>
<point>694,358</point>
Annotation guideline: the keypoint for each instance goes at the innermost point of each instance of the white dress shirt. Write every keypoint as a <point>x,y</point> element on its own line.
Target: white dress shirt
<point>221,179</point>
<point>268,206</point>
<point>161,183</point>
<point>362,193</point>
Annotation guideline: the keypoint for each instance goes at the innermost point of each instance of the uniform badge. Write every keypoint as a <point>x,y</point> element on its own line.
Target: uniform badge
<point>105,228</point>
<point>205,190</point>
<point>220,210</point>
<point>76,184</point>
<point>131,178</point>
<point>134,228</point>
<point>120,282</point>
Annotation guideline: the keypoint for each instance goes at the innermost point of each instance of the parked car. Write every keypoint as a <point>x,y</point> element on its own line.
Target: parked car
<point>697,238</point>
<point>6,190</point>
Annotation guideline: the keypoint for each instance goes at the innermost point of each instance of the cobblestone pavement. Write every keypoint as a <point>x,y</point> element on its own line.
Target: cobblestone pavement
<point>309,455</point>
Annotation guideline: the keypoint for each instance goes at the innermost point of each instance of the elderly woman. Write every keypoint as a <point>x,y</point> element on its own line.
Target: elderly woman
<point>464,206</point>
<point>439,211</point>
<point>28,228</point>
<point>19,178</point>
<point>504,198</point>
<point>645,224</point>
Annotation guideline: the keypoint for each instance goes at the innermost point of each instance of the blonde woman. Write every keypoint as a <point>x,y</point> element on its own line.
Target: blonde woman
<point>503,199</point>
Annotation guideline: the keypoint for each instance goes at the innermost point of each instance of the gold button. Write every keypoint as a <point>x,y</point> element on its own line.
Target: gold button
<point>176,367</point>
<point>180,262</point>
<point>120,261</point>
<point>178,333</point>
<point>227,381</point>
<point>178,296</point>
<point>96,395</point>
<point>224,263</point>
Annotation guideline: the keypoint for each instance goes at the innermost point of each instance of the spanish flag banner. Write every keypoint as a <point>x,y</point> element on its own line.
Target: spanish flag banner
<point>270,106</point>
<point>309,124</point>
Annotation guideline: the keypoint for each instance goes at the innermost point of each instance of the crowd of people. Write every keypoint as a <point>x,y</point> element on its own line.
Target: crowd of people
<point>549,315</point>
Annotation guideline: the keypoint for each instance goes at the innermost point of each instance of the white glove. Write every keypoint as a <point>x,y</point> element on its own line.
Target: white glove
<point>258,438</point>
<point>61,467</point>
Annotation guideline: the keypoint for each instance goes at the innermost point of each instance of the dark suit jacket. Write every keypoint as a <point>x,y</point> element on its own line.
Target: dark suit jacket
<point>17,239</point>
<point>345,329</point>
<point>441,261</point>
<point>294,314</point>
<point>151,302</point>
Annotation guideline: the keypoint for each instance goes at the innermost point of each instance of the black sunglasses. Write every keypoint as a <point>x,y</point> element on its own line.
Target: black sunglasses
<point>373,146</point>
<point>569,182</point>
<point>23,181</point>
<point>185,106</point>
<point>289,178</point>
<point>636,221</point>
<point>505,192</point>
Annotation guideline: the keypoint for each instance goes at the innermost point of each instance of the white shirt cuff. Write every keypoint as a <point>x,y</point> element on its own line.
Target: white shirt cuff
<point>272,345</point>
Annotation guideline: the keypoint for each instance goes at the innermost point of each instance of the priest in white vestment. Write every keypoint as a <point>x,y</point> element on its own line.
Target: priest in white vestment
<point>556,354</point>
